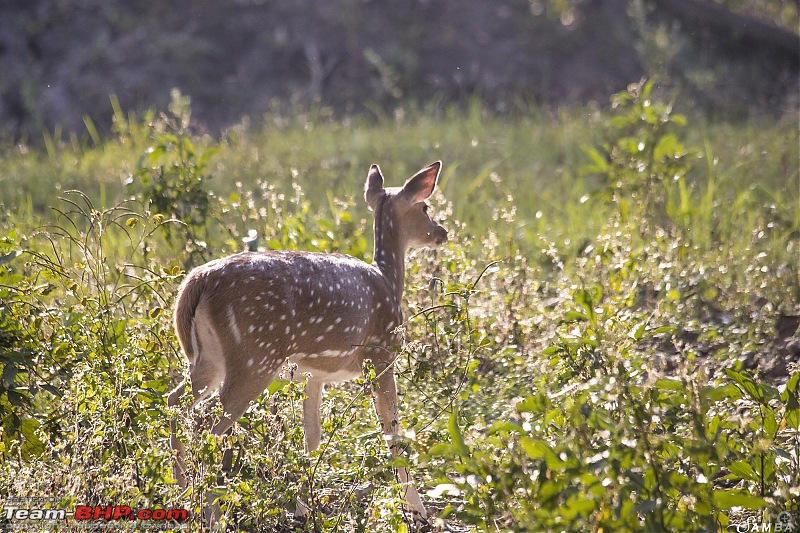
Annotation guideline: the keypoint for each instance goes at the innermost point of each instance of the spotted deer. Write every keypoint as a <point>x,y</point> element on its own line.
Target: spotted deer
<point>242,318</point>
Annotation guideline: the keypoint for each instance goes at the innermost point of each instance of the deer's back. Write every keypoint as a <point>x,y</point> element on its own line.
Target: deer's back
<point>312,308</point>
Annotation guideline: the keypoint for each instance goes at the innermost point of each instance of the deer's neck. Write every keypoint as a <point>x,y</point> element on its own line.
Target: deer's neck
<point>389,250</point>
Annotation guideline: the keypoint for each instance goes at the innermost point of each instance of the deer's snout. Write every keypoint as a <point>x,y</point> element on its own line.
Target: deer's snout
<point>440,236</point>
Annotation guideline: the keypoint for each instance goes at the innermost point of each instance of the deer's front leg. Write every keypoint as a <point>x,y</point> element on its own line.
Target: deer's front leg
<point>386,405</point>
<point>312,428</point>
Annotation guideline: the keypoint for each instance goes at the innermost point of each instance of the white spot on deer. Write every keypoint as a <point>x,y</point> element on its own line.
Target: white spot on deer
<point>319,339</point>
<point>338,320</point>
<point>251,328</point>
<point>237,335</point>
<point>250,362</point>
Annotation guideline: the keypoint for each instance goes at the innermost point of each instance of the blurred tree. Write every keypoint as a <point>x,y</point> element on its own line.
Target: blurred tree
<point>61,59</point>
<point>782,13</point>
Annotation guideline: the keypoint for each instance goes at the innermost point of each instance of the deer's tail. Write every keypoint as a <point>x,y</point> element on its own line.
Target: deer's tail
<point>189,296</point>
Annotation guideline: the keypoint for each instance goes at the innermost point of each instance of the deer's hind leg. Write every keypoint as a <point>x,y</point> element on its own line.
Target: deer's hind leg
<point>386,406</point>
<point>206,375</point>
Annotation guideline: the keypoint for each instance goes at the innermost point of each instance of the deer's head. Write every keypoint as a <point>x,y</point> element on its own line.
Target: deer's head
<point>403,211</point>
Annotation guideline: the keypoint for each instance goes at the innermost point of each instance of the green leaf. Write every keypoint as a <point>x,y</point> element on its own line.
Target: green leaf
<point>678,119</point>
<point>16,399</point>
<point>504,426</point>
<point>714,426</point>
<point>747,385</point>
<point>455,435</point>
<point>717,393</point>
<point>578,507</point>
<point>792,414</point>
<point>599,162</point>
<point>443,449</point>
<point>33,445</point>
<point>620,121</point>
<point>55,391</point>
<point>536,448</point>
<point>588,299</point>
<point>743,470</point>
<point>769,392</point>
<point>727,499</point>
<point>9,375</point>
<point>529,404</point>
<point>574,316</point>
<point>791,386</point>
<point>667,147</point>
<point>670,384</point>
<point>275,386</point>
<point>770,421</point>
<point>637,331</point>
<point>647,89</point>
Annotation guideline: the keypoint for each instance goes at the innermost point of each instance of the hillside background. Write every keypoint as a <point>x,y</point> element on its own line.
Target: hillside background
<point>62,59</point>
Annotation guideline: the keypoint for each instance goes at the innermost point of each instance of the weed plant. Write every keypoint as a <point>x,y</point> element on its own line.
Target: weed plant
<point>607,343</point>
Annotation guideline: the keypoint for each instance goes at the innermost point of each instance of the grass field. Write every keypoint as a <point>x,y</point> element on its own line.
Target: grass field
<point>607,343</point>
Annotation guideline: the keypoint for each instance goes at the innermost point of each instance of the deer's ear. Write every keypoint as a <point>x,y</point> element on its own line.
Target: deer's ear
<point>420,186</point>
<point>373,188</point>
